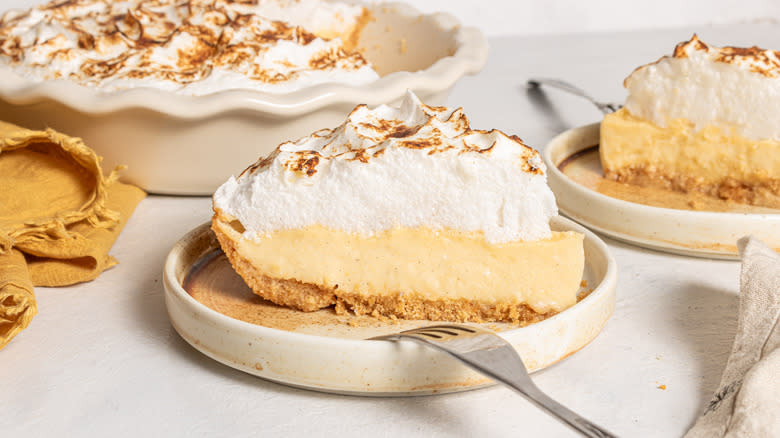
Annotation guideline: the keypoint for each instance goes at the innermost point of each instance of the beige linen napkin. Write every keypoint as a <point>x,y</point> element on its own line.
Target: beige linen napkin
<point>747,402</point>
<point>59,217</point>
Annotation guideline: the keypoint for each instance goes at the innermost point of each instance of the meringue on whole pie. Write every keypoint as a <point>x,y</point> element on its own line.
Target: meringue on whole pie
<point>704,119</point>
<point>403,213</point>
<point>191,47</point>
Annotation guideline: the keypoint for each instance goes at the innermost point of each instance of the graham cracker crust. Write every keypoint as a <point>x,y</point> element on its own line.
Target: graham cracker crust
<point>407,306</point>
<point>764,194</point>
<point>311,297</point>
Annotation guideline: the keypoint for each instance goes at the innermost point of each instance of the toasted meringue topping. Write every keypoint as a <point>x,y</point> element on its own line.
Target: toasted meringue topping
<point>755,59</point>
<point>730,87</point>
<point>413,166</point>
<point>189,46</point>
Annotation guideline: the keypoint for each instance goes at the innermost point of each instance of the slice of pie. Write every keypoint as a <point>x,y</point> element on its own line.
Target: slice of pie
<point>402,213</point>
<point>704,119</point>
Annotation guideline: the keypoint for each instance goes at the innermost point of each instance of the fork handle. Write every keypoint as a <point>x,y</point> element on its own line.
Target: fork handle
<point>561,85</point>
<point>507,367</point>
<point>571,418</point>
<point>605,108</point>
<point>494,357</point>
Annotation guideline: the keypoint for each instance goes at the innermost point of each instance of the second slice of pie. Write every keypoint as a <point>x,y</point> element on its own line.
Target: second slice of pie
<point>702,120</point>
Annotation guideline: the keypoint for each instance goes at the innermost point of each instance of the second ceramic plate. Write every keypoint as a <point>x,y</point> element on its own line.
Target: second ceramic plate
<point>574,174</point>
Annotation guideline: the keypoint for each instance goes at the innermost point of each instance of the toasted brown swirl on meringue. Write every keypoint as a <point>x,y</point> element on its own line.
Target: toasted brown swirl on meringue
<point>755,59</point>
<point>189,46</point>
<point>367,134</point>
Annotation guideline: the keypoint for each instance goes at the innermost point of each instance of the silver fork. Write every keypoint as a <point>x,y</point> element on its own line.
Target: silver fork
<point>604,107</point>
<point>491,355</point>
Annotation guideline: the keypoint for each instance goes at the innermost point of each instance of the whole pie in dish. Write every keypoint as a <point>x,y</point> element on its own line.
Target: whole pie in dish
<point>402,213</point>
<point>704,119</point>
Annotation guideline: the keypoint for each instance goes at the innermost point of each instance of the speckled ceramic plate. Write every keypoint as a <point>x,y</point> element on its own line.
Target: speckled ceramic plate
<point>212,309</point>
<point>696,225</point>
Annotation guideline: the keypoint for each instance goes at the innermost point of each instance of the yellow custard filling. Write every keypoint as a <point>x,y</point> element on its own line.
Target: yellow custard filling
<point>448,265</point>
<point>710,154</point>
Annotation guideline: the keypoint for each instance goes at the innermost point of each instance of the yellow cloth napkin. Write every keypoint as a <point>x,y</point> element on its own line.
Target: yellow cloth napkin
<point>59,216</point>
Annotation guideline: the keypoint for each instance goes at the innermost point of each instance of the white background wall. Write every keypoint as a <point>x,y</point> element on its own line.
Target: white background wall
<point>514,17</point>
<point>507,17</point>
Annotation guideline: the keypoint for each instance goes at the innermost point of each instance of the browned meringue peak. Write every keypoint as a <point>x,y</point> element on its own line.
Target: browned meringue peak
<point>756,59</point>
<point>368,134</point>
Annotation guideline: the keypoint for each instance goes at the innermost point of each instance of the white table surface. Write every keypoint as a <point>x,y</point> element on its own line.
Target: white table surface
<point>101,358</point>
